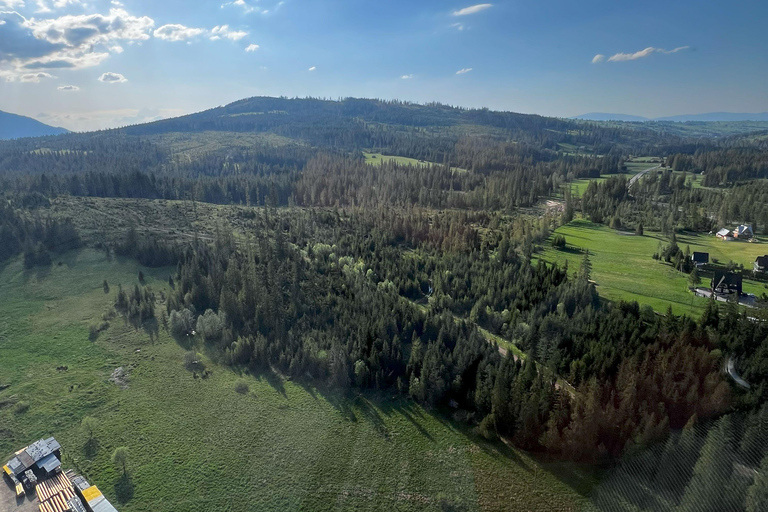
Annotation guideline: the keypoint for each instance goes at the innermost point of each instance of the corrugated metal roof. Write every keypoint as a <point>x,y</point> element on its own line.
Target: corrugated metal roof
<point>76,505</point>
<point>53,444</point>
<point>49,463</point>
<point>81,483</point>
<point>16,465</point>
<point>25,459</point>
<point>104,506</point>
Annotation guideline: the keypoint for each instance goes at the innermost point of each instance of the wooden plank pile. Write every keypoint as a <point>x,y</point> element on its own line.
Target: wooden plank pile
<point>55,493</point>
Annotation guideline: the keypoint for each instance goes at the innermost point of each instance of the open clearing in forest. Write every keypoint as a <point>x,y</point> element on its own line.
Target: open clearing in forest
<point>623,267</point>
<point>197,444</point>
<point>378,159</point>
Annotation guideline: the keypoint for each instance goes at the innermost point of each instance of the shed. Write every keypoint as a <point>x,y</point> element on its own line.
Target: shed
<point>96,500</point>
<point>700,258</point>
<point>50,464</point>
<point>16,466</point>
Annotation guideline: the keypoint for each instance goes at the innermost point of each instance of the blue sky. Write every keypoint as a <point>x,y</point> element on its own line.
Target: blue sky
<point>86,64</point>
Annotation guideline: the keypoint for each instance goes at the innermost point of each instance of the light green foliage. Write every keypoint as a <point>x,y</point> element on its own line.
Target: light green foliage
<point>195,445</point>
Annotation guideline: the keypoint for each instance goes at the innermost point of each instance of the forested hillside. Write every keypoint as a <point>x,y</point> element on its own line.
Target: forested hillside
<point>294,254</point>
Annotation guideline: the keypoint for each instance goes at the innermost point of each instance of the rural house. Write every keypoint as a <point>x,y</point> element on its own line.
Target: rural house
<point>744,231</point>
<point>700,259</point>
<point>725,283</point>
<point>725,234</point>
<point>761,263</point>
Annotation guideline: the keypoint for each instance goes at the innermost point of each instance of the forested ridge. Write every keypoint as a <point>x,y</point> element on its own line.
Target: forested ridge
<point>401,277</point>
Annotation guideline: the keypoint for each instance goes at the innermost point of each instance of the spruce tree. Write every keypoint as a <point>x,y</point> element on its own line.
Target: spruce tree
<point>712,472</point>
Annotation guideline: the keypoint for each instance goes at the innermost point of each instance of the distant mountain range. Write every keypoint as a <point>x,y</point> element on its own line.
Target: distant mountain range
<point>13,126</point>
<point>709,117</point>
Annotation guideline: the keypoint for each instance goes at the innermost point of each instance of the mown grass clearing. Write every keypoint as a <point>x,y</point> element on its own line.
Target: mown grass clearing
<point>623,267</point>
<point>197,444</point>
<point>378,159</point>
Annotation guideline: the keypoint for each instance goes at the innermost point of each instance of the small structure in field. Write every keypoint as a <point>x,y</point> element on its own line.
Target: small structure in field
<point>700,259</point>
<point>725,234</point>
<point>743,232</point>
<point>726,283</point>
<point>761,264</point>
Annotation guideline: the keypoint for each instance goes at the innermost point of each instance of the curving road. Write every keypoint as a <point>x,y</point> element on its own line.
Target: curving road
<point>637,176</point>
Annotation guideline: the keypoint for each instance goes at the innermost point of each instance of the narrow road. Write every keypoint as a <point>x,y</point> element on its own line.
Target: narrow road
<point>730,368</point>
<point>637,176</point>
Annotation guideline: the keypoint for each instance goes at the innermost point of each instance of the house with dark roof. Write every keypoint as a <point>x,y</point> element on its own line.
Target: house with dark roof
<point>744,232</point>
<point>761,264</point>
<point>725,283</point>
<point>700,259</point>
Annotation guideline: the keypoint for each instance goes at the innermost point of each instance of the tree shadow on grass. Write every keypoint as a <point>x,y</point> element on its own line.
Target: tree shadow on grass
<point>124,488</point>
<point>91,448</point>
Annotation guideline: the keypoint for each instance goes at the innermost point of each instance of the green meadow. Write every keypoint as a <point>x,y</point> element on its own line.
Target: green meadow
<point>623,267</point>
<point>378,159</point>
<point>199,445</point>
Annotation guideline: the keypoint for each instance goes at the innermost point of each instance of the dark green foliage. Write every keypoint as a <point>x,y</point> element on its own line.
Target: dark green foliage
<point>558,242</point>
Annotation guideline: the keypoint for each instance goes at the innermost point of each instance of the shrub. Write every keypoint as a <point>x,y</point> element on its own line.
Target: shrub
<point>210,325</point>
<point>182,322</point>
<point>21,407</point>
<point>558,242</point>
<point>242,387</point>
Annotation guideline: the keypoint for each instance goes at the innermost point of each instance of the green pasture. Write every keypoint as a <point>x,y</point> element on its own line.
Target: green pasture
<point>623,267</point>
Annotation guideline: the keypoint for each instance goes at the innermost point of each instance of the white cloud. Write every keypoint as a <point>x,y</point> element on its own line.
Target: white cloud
<point>35,77</point>
<point>598,58</point>
<point>252,48</point>
<point>312,68</point>
<point>463,71</point>
<point>223,31</point>
<point>43,6</point>
<point>115,2</point>
<point>406,77</point>
<point>242,3</point>
<point>112,78</point>
<point>472,9</point>
<point>68,88</point>
<point>458,26</point>
<point>12,4</point>
<point>71,41</point>
<point>176,32</point>
<point>116,49</point>
<point>621,57</point>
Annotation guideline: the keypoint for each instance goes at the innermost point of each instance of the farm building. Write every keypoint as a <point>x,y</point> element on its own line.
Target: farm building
<point>761,264</point>
<point>725,234</point>
<point>726,283</point>
<point>700,258</point>
<point>744,231</point>
<point>40,459</point>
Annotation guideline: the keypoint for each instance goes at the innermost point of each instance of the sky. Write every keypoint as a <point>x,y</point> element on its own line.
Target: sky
<point>91,64</point>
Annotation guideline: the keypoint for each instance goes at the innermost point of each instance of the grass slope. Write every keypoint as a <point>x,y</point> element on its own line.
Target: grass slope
<point>198,445</point>
<point>623,267</point>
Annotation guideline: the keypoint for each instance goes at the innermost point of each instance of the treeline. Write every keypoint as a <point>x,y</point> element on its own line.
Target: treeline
<point>36,236</point>
<point>725,166</point>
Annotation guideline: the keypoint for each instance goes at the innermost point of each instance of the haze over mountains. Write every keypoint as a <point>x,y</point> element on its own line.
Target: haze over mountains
<point>13,126</point>
<point>708,117</point>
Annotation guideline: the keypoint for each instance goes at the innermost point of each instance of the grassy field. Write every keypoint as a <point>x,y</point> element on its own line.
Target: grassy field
<point>378,159</point>
<point>197,444</point>
<point>623,268</point>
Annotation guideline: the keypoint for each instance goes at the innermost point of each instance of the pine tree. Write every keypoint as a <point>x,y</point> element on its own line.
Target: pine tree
<point>585,269</point>
<point>757,495</point>
<point>712,472</point>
